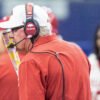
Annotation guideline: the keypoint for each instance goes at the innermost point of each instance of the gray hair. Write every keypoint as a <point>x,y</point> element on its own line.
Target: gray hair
<point>45,30</point>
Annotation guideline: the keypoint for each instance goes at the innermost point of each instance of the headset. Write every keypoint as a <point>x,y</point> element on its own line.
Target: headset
<point>31,26</point>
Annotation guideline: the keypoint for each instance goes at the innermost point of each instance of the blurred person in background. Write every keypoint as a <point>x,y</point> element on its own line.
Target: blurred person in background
<point>2,46</point>
<point>8,76</point>
<point>53,20</point>
<point>8,72</point>
<point>94,59</point>
<point>53,69</point>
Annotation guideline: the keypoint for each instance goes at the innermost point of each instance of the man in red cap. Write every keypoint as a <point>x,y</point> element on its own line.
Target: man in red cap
<point>53,69</point>
<point>8,75</point>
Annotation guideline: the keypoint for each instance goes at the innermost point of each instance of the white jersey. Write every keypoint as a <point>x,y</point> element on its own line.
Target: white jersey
<point>95,77</point>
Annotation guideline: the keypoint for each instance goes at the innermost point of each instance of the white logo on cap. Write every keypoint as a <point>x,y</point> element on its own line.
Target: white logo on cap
<point>30,25</point>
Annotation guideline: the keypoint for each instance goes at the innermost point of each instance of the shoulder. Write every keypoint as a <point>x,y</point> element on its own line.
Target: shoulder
<point>92,57</point>
<point>93,60</point>
<point>28,57</point>
<point>75,48</point>
<point>5,60</point>
<point>35,57</point>
<point>4,56</point>
<point>70,44</point>
<point>74,45</point>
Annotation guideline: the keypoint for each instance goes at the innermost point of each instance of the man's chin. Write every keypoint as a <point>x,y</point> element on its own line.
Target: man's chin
<point>20,49</point>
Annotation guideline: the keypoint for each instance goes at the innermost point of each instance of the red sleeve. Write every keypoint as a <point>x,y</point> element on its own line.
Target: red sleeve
<point>30,85</point>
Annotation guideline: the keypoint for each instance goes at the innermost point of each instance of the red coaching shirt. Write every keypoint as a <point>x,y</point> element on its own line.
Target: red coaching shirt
<point>40,74</point>
<point>8,79</point>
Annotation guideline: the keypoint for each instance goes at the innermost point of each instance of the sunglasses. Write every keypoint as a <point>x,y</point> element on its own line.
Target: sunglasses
<point>16,28</point>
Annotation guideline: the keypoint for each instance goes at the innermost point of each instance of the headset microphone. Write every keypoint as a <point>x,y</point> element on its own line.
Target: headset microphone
<point>12,45</point>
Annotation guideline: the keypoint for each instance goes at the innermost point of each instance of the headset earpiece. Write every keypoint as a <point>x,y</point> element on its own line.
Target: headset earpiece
<point>31,27</point>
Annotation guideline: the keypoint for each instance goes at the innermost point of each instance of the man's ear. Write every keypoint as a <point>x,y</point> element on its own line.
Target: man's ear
<point>2,45</point>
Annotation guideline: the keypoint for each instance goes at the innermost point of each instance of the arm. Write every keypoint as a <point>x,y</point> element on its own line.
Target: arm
<point>30,85</point>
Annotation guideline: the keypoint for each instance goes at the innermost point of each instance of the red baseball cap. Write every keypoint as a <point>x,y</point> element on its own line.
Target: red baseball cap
<point>4,19</point>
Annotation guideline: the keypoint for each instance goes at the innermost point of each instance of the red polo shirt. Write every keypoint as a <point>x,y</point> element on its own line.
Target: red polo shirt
<point>40,74</point>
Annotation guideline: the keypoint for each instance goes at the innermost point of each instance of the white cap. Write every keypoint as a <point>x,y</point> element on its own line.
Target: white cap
<point>18,18</point>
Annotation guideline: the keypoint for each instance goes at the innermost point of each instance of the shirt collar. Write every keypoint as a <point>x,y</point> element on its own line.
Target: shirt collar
<point>44,39</point>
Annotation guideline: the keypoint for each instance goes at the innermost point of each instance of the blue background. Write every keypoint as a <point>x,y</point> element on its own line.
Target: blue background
<point>81,25</point>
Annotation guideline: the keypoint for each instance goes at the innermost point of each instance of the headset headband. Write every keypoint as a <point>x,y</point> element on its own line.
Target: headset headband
<point>29,11</point>
<point>31,26</point>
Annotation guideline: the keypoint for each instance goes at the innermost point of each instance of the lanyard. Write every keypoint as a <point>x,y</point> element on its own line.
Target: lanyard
<point>13,54</point>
